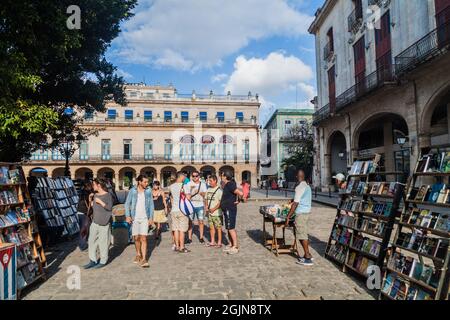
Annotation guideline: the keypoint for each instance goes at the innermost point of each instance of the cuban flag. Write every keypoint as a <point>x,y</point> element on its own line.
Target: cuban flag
<point>8,273</point>
<point>186,206</point>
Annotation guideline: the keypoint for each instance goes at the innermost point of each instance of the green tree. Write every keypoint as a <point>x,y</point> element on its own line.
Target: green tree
<point>46,68</point>
<point>300,148</point>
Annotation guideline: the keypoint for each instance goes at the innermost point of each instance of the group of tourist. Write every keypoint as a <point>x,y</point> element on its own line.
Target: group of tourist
<point>190,202</point>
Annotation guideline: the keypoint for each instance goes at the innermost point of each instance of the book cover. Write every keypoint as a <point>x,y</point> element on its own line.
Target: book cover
<point>433,221</point>
<point>445,167</point>
<point>435,191</point>
<point>422,193</point>
<point>443,223</point>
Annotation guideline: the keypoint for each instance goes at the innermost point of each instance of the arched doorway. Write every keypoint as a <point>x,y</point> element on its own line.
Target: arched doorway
<point>38,172</point>
<point>247,176</point>
<point>227,168</point>
<point>207,171</point>
<point>379,134</point>
<point>127,177</point>
<point>439,125</point>
<point>150,172</point>
<point>337,149</point>
<point>58,172</point>
<point>168,176</point>
<point>106,173</point>
<point>84,174</point>
<point>188,170</point>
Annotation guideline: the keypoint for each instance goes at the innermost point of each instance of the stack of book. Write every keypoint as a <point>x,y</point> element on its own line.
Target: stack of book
<point>56,201</point>
<point>359,262</point>
<point>427,219</point>
<point>436,193</point>
<point>397,288</point>
<point>434,162</point>
<point>365,167</point>
<point>11,176</point>
<point>421,243</point>
<point>338,252</point>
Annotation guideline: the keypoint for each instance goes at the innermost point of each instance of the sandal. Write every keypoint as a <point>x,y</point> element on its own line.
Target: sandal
<point>211,245</point>
<point>184,250</point>
<point>218,246</point>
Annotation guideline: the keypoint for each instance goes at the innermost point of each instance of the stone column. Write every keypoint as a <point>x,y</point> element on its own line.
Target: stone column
<point>389,162</point>
<point>116,179</point>
<point>326,170</point>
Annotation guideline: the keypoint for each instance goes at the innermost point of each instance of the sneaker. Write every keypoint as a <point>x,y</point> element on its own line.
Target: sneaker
<point>202,240</point>
<point>227,248</point>
<point>145,264</point>
<point>90,265</point>
<point>233,251</point>
<point>188,241</point>
<point>174,247</point>
<point>305,262</point>
<point>100,265</point>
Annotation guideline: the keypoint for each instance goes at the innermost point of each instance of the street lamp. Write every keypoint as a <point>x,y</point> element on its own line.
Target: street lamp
<point>401,141</point>
<point>341,155</point>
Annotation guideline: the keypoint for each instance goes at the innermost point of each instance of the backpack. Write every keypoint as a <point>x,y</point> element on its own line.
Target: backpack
<point>185,205</point>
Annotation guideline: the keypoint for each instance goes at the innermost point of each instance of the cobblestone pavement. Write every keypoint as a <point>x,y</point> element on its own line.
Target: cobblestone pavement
<point>206,273</point>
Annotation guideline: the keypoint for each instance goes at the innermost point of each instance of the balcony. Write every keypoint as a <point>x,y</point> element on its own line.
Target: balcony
<point>429,47</point>
<point>369,84</point>
<point>328,51</point>
<point>103,120</point>
<point>355,19</point>
<point>155,159</point>
<point>321,115</point>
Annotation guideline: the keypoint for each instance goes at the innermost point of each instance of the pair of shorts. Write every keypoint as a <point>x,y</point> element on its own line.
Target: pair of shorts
<point>230,216</point>
<point>301,226</point>
<point>159,216</point>
<point>179,222</point>
<point>139,228</point>
<point>215,222</point>
<point>198,214</point>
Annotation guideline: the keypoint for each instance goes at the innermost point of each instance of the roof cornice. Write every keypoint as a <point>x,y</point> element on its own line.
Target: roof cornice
<point>321,14</point>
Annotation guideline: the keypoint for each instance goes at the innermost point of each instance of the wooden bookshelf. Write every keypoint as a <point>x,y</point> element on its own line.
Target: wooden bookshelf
<point>36,257</point>
<point>409,230</point>
<point>359,215</point>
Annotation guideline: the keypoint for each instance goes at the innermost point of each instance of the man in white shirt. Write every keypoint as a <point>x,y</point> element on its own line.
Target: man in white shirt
<point>195,191</point>
<point>302,208</point>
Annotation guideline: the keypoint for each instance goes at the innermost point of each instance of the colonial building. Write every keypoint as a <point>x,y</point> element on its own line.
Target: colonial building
<point>278,131</point>
<point>382,76</point>
<point>161,132</point>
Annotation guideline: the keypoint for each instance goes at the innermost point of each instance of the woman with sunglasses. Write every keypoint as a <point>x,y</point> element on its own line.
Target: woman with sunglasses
<point>159,201</point>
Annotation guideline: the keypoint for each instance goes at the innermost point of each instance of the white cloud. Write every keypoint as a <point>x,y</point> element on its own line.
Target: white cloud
<point>269,76</point>
<point>124,74</point>
<point>194,34</point>
<point>219,77</point>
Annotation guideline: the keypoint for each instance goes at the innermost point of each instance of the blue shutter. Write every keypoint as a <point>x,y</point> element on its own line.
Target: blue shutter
<point>148,115</point>
<point>128,114</point>
<point>240,116</point>
<point>184,115</point>
<point>89,115</point>
<point>203,116</point>
<point>221,116</point>
<point>111,113</point>
<point>167,116</point>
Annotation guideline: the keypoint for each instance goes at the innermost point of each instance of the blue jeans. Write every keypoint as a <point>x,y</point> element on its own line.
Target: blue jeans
<point>198,214</point>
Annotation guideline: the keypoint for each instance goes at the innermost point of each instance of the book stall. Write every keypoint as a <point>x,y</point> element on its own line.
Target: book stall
<point>276,215</point>
<point>365,217</point>
<point>21,251</point>
<point>418,266</point>
<point>56,202</point>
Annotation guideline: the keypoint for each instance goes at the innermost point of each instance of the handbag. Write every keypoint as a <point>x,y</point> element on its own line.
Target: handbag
<point>185,205</point>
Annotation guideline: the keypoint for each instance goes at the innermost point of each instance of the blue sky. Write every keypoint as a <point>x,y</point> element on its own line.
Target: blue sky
<point>261,46</point>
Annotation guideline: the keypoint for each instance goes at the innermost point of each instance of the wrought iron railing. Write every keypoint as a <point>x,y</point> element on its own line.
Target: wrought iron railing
<point>321,114</point>
<point>433,44</point>
<point>370,83</point>
<point>355,19</point>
